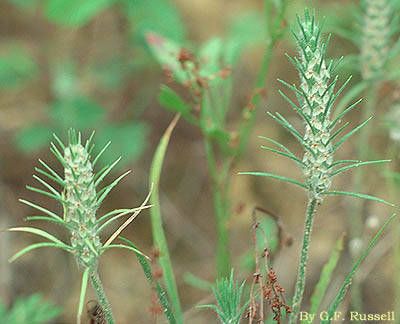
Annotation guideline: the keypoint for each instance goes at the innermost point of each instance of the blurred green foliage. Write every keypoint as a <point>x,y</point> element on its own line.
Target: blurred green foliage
<point>29,310</point>
<point>16,67</point>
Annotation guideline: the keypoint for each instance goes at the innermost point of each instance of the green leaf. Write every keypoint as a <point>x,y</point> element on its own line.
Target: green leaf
<point>102,194</point>
<point>33,138</point>
<point>292,157</point>
<point>82,295</point>
<point>46,219</point>
<point>160,241</point>
<point>325,277</point>
<point>358,195</point>
<point>128,140</point>
<point>41,233</point>
<point>196,281</point>
<point>30,310</point>
<point>119,215</point>
<point>169,99</point>
<point>351,133</point>
<point>34,247</point>
<point>122,246</point>
<point>25,4</point>
<point>245,30</point>
<point>74,13</point>
<point>80,113</point>
<point>348,280</point>
<point>16,67</point>
<point>158,16</point>
<point>210,54</point>
<point>356,165</point>
<point>42,209</point>
<point>274,176</point>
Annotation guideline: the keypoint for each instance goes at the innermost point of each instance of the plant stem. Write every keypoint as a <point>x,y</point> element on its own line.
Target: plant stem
<point>301,274</point>
<point>101,296</point>
<point>221,206</point>
<point>356,221</point>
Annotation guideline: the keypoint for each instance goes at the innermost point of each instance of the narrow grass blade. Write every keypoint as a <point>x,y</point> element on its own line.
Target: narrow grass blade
<point>122,246</point>
<point>337,132</point>
<point>85,279</point>
<point>106,171</point>
<point>51,177</point>
<point>356,165</point>
<point>343,113</point>
<point>38,232</point>
<point>34,247</point>
<point>297,109</point>
<point>100,153</point>
<point>274,176</point>
<point>45,184</point>
<point>114,212</point>
<point>129,220</point>
<point>45,193</point>
<point>358,195</point>
<point>197,282</point>
<point>350,96</point>
<point>283,147</point>
<point>102,194</point>
<point>42,209</point>
<point>291,157</point>
<point>161,293</point>
<point>159,238</point>
<point>347,281</point>
<point>326,277</point>
<point>289,127</point>
<point>121,214</point>
<point>53,173</point>
<point>351,133</point>
<point>47,219</point>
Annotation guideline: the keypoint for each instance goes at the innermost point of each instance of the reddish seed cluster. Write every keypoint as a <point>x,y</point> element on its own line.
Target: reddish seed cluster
<point>270,291</point>
<point>196,84</point>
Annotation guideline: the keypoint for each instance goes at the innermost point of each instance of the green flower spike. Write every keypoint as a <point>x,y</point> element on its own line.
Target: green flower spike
<point>316,96</point>
<point>80,199</point>
<point>378,26</point>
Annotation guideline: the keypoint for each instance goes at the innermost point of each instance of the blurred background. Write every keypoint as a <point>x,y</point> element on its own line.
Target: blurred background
<point>86,64</point>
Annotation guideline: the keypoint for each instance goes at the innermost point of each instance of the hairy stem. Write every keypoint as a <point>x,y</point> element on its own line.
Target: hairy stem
<point>301,274</point>
<point>101,296</point>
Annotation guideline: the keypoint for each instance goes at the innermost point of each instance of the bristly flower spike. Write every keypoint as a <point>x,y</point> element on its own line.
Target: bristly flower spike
<point>316,96</point>
<point>228,294</point>
<point>80,201</point>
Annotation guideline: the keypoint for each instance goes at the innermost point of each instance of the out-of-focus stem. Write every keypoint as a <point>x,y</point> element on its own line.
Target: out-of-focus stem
<point>356,220</point>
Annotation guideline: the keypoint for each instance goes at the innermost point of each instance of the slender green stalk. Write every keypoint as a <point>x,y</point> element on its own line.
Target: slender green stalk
<point>101,296</point>
<point>276,29</point>
<point>221,210</point>
<point>356,221</point>
<point>302,268</point>
<point>220,179</point>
